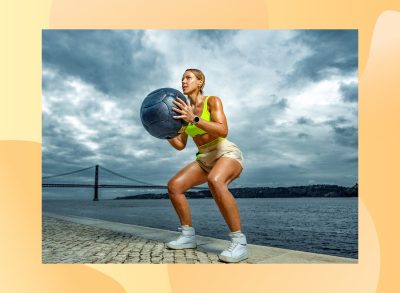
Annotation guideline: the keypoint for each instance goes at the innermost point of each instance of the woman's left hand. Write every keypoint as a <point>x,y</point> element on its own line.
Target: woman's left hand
<point>185,109</point>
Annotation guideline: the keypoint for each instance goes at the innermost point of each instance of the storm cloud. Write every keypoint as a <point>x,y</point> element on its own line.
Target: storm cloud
<point>330,53</point>
<point>349,92</point>
<point>114,62</point>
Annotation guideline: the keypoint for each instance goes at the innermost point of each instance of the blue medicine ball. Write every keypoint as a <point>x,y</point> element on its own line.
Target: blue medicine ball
<point>156,113</point>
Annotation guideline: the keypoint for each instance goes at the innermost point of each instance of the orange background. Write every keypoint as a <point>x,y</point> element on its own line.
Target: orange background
<point>378,23</point>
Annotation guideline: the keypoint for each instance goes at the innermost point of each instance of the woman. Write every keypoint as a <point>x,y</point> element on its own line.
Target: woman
<point>218,163</point>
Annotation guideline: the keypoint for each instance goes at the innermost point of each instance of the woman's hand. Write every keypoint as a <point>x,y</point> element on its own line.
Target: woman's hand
<point>185,109</point>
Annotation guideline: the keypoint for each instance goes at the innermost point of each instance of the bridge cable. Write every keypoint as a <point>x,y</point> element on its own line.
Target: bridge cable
<point>125,177</point>
<point>68,173</point>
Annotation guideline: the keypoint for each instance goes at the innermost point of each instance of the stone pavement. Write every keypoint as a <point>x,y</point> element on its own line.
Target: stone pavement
<point>72,239</point>
<point>69,242</point>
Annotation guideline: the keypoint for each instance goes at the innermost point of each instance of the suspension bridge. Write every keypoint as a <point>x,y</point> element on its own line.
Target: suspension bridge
<point>90,178</point>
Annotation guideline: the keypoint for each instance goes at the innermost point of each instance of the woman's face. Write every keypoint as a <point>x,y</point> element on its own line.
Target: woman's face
<point>190,83</point>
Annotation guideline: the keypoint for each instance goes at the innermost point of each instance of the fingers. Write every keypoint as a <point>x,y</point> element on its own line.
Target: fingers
<point>183,103</point>
<point>177,110</point>
<point>185,109</point>
<point>179,103</point>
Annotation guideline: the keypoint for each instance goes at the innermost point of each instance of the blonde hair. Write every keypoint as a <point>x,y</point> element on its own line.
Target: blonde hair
<point>199,75</point>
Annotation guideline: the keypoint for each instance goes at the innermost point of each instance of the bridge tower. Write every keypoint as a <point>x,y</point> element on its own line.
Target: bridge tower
<point>96,184</point>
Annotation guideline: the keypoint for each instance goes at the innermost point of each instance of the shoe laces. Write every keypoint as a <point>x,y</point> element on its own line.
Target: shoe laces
<point>232,246</point>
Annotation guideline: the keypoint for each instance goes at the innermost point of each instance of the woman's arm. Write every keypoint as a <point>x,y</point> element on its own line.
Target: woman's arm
<point>218,125</point>
<point>179,142</point>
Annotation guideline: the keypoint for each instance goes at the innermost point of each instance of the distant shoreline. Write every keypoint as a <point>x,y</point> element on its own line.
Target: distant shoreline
<point>266,192</point>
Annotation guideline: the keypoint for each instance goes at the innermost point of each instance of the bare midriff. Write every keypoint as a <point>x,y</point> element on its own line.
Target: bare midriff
<point>203,139</point>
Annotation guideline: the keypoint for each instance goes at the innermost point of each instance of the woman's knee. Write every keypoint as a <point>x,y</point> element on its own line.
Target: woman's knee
<point>216,182</point>
<point>174,187</point>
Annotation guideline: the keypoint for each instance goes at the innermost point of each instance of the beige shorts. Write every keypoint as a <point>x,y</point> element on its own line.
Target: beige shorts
<point>221,147</point>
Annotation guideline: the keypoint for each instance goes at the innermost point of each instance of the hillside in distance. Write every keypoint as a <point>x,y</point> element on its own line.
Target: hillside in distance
<point>320,190</point>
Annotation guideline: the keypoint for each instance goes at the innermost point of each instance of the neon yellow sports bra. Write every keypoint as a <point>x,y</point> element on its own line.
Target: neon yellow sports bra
<point>193,130</point>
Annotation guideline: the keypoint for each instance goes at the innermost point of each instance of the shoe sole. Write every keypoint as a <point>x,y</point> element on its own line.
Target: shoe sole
<point>183,246</point>
<point>231,259</point>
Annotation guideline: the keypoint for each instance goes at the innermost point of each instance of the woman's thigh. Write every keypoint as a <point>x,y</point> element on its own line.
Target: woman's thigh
<point>225,171</point>
<point>189,176</point>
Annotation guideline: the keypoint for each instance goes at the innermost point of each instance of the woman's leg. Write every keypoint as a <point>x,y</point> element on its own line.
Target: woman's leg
<point>225,171</point>
<point>189,176</point>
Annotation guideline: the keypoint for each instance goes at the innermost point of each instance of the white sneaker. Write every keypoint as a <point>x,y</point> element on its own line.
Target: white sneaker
<point>186,240</point>
<point>237,250</point>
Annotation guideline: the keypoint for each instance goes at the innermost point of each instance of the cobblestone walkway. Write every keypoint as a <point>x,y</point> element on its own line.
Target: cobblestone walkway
<point>68,242</point>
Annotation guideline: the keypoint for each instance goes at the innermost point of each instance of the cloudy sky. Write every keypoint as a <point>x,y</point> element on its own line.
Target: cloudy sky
<point>290,97</point>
